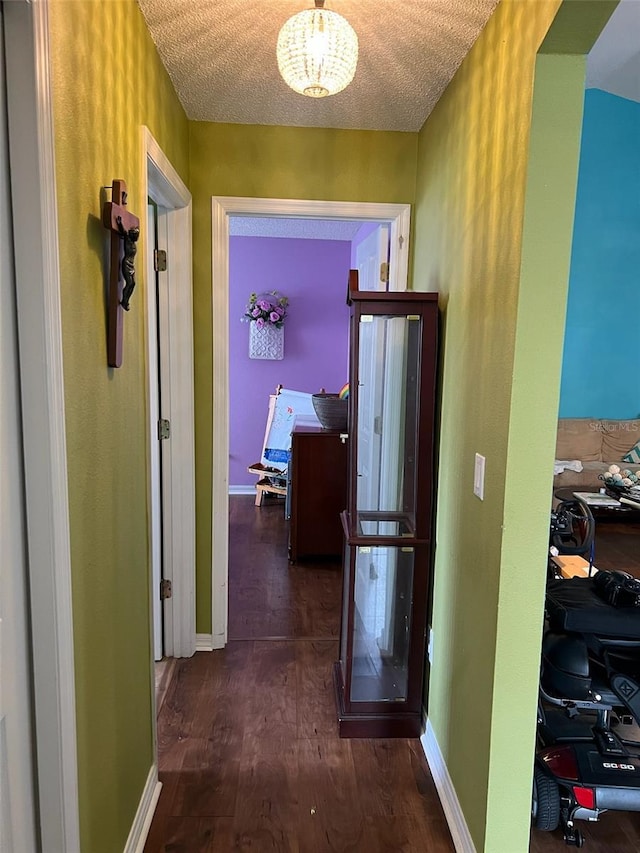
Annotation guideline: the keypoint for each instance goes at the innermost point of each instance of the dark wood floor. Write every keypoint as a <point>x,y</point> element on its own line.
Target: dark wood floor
<point>617,546</point>
<point>249,755</point>
<point>248,751</point>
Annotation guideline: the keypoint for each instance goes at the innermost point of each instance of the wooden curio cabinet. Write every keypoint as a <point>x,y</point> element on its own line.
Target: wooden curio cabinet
<point>388,522</point>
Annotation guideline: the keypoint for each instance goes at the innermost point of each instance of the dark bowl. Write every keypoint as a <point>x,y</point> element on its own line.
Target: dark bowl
<point>331,411</point>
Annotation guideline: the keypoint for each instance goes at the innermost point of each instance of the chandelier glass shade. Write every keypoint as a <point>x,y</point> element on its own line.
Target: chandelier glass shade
<point>317,52</point>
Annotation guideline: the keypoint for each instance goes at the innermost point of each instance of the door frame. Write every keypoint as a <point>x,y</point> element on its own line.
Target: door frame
<point>161,182</point>
<point>18,821</point>
<point>33,186</point>
<point>222,207</point>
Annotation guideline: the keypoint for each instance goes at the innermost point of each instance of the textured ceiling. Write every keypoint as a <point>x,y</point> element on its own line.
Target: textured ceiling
<point>220,55</point>
<point>285,226</point>
<point>614,62</point>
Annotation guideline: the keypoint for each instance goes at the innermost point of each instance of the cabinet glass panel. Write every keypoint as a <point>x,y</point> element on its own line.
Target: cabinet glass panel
<point>345,610</point>
<point>388,363</point>
<point>370,525</point>
<point>382,623</point>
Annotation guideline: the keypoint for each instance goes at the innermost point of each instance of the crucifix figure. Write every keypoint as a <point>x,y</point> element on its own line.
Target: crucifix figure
<point>125,231</point>
<point>128,267</point>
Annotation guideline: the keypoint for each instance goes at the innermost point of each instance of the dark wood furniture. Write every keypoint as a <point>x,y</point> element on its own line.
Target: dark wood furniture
<point>318,492</point>
<point>387,525</point>
<point>623,512</point>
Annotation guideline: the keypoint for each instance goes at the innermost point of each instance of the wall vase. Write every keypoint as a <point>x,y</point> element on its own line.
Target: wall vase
<point>267,342</point>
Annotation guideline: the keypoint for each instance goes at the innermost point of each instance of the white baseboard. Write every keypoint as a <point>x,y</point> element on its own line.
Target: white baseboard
<point>144,815</point>
<point>204,643</point>
<point>458,828</point>
<point>242,490</point>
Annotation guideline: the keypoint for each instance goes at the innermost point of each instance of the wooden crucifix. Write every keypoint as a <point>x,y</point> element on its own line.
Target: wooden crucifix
<point>125,231</point>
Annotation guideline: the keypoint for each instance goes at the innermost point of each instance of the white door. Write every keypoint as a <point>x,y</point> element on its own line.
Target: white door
<point>169,319</point>
<point>154,416</point>
<point>17,810</point>
<point>370,255</point>
<point>162,487</point>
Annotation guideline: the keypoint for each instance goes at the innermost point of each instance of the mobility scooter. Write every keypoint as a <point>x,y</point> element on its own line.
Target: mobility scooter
<point>588,740</point>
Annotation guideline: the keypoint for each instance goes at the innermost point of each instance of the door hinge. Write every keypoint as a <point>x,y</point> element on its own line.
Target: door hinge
<point>164,429</point>
<point>384,271</point>
<point>165,589</point>
<point>159,260</point>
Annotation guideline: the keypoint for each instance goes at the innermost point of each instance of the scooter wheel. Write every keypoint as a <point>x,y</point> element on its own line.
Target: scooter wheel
<point>545,806</point>
<point>576,839</point>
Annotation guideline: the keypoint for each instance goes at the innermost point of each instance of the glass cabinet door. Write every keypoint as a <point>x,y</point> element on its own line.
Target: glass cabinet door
<point>382,623</point>
<point>386,423</point>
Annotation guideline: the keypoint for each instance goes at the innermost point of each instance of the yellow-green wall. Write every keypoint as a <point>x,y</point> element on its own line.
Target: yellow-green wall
<point>271,162</point>
<point>107,82</point>
<point>503,295</point>
<point>466,172</point>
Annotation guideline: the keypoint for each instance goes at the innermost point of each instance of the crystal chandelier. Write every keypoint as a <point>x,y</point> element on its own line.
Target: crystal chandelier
<point>317,52</point>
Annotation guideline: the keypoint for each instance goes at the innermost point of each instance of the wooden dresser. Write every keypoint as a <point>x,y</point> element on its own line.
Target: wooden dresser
<point>318,474</point>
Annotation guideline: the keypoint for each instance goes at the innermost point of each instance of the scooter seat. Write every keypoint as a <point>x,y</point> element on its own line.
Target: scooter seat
<point>574,605</point>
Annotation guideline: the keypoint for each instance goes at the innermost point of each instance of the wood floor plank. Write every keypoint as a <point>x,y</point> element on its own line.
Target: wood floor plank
<point>425,786</point>
<point>274,664</point>
<point>267,803</point>
<point>387,777</point>
<point>197,835</point>
<point>316,711</point>
<point>159,829</point>
<point>617,546</point>
<point>177,714</point>
<point>273,714</point>
<point>330,816</point>
<point>211,793</point>
<point>406,834</point>
<point>229,668</point>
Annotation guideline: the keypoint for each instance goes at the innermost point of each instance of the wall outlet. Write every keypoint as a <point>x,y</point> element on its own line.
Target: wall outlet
<point>430,645</point>
<point>478,477</point>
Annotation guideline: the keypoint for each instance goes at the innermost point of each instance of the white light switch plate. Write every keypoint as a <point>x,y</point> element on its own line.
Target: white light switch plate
<point>478,477</point>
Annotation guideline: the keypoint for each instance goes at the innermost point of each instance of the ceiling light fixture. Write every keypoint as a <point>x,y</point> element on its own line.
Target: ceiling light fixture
<point>317,52</point>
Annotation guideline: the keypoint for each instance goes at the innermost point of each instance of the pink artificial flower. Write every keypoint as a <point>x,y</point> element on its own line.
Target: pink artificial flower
<point>274,317</point>
<point>256,312</point>
<point>266,306</point>
<point>259,323</point>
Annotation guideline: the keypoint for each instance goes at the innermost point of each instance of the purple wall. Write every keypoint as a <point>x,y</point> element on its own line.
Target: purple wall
<point>365,229</point>
<point>313,274</point>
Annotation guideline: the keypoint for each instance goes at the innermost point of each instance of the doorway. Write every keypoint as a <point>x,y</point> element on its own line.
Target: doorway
<point>223,208</point>
<point>306,262</point>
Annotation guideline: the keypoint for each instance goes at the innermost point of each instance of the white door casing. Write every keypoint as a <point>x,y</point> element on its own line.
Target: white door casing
<point>17,791</point>
<point>222,207</point>
<point>166,188</point>
<point>33,190</point>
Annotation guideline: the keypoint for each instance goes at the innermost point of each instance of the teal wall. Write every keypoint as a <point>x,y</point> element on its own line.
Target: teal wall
<point>601,356</point>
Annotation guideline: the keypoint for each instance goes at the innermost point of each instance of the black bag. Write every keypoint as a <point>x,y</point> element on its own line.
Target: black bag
<point>618,589</point>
